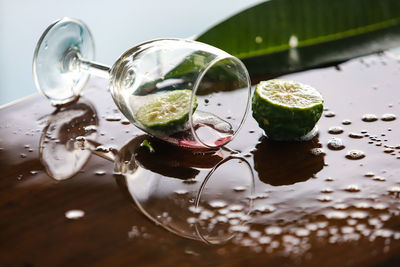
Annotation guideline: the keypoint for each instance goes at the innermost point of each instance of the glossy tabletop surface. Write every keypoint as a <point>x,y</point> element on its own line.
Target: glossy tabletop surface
<point>311,204</point>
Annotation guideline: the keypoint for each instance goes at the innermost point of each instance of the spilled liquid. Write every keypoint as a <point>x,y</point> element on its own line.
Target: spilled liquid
<point>335,192</point>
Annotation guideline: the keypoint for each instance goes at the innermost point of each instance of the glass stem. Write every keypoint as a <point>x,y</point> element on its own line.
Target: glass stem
<point>94,68</point>
<point>72,61</point>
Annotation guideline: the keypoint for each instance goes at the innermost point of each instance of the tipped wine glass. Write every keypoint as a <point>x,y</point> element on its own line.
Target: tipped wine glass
<point>182,91</point>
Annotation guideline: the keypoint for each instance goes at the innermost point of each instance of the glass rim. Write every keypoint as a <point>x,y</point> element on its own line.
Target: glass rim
<point>202,188</point>
<point>196,86</point>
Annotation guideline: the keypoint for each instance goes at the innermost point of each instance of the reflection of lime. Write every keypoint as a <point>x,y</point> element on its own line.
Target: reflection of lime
<point>166,111</point>
<point>286,109</point>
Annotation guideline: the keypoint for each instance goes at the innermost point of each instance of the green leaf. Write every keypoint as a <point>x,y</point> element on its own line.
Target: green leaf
<point>281,36</point>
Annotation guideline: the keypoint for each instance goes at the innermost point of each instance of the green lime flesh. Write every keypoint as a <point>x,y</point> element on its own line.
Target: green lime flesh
<point>166,112</point>
<point>286,110</point>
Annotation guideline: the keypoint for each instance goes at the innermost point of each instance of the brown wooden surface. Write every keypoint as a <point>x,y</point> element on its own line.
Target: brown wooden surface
<point>35,232</point>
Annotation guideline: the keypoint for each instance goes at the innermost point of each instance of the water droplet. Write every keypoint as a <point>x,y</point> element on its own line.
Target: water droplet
<point>395,190</point>
<point>100,172</point>
<point>74,214</point>
<point>385,233</point>
<point>322,224</point>
<point>264,240</point>
<point>254,234</point>
<point>336,215</point>
<point>90,128</point>
<point>388,117</point>
<point>327,190</point>
<point>273,230</point>
<point>369,117</point>
<point>375,222</point>
<point>258,196</point>
<point>379,179</point>
<point>217,204</point>
<point>388,150</point>
<point>380,206</point>
<point>221,219</point>
<point>206,214</point>
<point>312,227</point>
<point>362,205</point>
<point>223,211</point>
<point>300,232</point>
<point>125,122</point>
<point>239,189</point>
<point>113,118</point>
<point>351,222</point>
<point>181,192</point>
<point>317,151</point>
<point>22,155</point>
<point>335,130</point>
<point>102,149</point>
<point>265,209</point>
<point>355,154</point>
<point>346,122</point>
<point>347,230</point>
<point>240,228</point>
<point>355,135</point>
<point>236,207</point>
<point>195,210</point>
<point>329,114</point>
<point>340,206</point>
<point>33,172</point>
<point>384,217</point>
<point>335,144</point>
<point>191,220</point>
<point>189,181</point>
<point>234,222</point>
<point>324,198</point>
<point>329,179</point>
<point>358,215</point>
<point>352,188</point>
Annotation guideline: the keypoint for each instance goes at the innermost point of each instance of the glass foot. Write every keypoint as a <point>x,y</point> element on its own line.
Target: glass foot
<point>55,74</point>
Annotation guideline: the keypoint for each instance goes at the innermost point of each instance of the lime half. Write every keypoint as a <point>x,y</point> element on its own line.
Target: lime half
<point>166,112</point>
<point>286,110</point>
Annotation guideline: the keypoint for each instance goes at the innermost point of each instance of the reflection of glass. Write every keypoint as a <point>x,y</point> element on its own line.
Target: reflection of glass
<point>285,163</point>
<point>60,145</point>
<point>63,62</point>
<point>200,194</point>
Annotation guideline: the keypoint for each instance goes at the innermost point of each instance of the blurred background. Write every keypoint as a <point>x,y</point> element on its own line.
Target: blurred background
<point>116,26</point>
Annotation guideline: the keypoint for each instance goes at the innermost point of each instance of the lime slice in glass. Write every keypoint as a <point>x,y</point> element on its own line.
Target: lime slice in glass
<point>166,112</point>
<point>286,110</point>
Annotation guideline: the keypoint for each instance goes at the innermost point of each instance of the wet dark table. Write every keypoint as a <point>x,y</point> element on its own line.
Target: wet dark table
<point>312,205</point>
